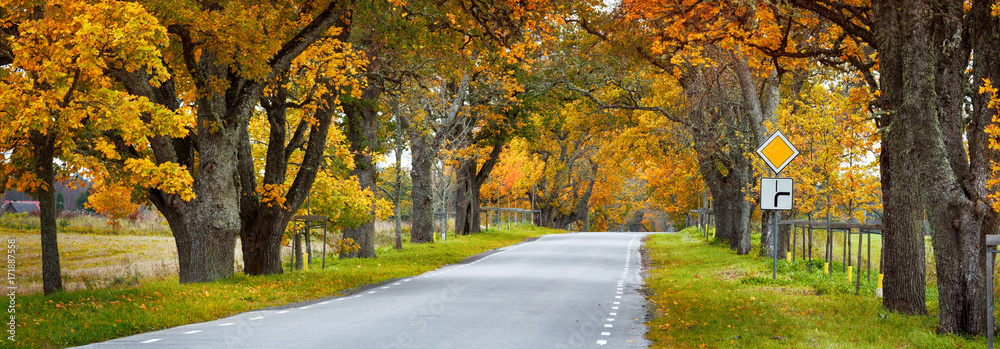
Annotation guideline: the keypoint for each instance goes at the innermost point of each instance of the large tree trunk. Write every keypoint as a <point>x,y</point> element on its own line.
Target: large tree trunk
<point>361,121</point>
<point>398,185</point>
<point>768,235</point>
<point>469,182</point>
<point>957,191</point>
<point>422,226</point>
<point>466,198</point>
<point>732,212</point>
<point>44,151</point>
<point>205,228</point>
<point>211,221</point>
<point>903,245</point>
<point>263,223</point>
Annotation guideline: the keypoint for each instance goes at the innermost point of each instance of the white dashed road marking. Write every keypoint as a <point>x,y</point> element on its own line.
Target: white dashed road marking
<point>619,289</point>
<point>192,332</point>
<point>151,340</point>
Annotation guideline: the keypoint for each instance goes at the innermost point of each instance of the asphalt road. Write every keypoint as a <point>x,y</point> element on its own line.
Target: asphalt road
<point>560,291</point>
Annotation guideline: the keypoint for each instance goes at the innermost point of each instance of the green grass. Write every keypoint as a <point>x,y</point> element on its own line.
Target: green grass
<point>704,295</point>
<point>77,318</point>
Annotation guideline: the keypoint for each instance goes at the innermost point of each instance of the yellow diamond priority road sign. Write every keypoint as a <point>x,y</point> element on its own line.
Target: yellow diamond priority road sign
<point>777,151</point>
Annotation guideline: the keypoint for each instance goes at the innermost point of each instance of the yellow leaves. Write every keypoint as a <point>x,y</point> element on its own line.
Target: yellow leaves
<point>272,194</point>
<point>347,245</point>
<point>111,200</point>
<point>837,166</point>
<point>59,85</point>
<point>993,131</point>
<point>344,202</point>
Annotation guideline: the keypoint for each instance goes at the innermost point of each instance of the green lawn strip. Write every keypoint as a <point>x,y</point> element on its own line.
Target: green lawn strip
<point>77,318</point>
<point>704,295</point>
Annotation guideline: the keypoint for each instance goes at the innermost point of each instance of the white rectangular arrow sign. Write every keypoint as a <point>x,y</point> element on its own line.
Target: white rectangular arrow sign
<point>776,194</point>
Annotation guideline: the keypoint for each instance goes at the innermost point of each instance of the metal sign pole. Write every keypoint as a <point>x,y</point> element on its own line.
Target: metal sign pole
<point>774,237</point>
<point>989,292</point>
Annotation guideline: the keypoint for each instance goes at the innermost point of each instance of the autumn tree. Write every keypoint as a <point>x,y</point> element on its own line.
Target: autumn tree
<point>513,181</point>
<point>223,55</point>
<point>61,104</point>
<point>501,104</point>
<point>930,154</point>
<point>295,138</point>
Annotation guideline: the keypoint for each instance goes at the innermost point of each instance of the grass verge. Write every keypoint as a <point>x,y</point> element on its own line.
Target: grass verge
<point>704,295</point>
<point>82,317</point>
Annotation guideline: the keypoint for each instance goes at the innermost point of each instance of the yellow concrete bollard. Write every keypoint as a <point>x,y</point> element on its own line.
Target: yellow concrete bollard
<point>788,257</point>
<point>850,271</point>
<point>878,291</point>
<point>826,268</point>
<point>305,261</point>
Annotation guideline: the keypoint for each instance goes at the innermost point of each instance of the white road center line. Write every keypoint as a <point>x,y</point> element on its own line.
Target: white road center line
<point>256,318</point>
<point>192,332</point>
<point>227,324</point>
<point>151,340</point>
<point>283,311</point>
<point>305,307</point>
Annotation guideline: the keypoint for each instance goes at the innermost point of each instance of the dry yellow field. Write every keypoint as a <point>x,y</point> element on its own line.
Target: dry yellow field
<point>94,261</point>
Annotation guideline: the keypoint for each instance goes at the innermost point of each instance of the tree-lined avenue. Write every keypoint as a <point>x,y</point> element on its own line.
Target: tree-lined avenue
<point>561,291</point>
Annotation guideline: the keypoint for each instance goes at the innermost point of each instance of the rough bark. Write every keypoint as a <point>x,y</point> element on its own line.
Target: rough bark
<point>466,198</point>
<point>398,185</point>
<point>961,217</point>
<point>767,242</point>
<point>714,114</point>
<point>424,149</point>
<point>469,182</point>
<point>43,146</point>
<point>422,225</point>
<point>361,124</point>
<point>732,210</point>
<point>903,245</point>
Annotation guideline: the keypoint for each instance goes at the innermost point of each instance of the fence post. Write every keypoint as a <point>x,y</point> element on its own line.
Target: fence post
<point>991,240</point>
